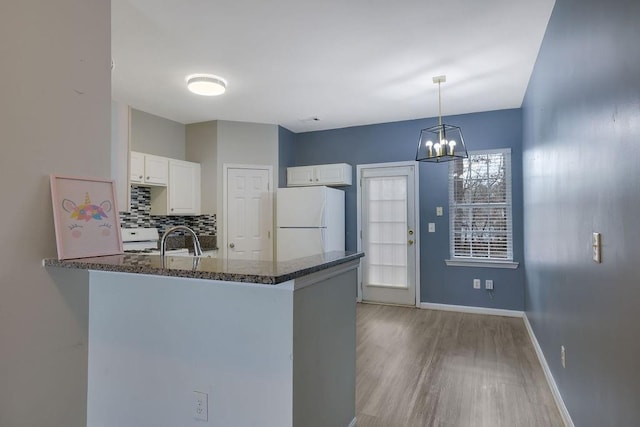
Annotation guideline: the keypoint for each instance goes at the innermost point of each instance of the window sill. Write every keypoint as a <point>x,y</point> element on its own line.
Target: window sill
<point>481,263</point>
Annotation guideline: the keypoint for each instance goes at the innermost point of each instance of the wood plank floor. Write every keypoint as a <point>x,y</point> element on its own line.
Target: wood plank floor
<point>438,368</point>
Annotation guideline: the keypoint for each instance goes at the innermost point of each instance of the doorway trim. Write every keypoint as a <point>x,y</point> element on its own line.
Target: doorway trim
<point>225,204</point>
<point>416,178</point>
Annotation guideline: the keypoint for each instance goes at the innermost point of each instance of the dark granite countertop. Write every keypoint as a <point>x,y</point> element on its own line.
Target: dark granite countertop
<point>262,272</point>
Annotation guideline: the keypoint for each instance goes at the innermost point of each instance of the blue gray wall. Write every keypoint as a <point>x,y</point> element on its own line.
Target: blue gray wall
<point>581,119</point>
<point>390,142</point>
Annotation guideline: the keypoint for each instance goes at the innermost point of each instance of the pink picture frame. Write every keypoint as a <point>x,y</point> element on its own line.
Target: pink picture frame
<point>85,217</point>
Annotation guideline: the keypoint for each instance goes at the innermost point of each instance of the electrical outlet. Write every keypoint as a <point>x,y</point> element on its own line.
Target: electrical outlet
<point>476,283</point>
<point>488,285</point>
<point>200,406</point>
<point>563,356</point>
<point>432,227</point>
<point>439,211</point>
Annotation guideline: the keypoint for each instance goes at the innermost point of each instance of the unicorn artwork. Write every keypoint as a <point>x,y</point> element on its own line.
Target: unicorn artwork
<point>88,215</point>
<point>85,228</point>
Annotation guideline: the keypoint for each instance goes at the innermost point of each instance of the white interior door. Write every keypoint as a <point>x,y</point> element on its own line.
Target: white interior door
<point>249,214</point>
<point>388,224</point>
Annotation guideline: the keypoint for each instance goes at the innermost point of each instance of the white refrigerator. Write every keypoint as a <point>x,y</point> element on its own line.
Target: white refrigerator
<point>310,221</point>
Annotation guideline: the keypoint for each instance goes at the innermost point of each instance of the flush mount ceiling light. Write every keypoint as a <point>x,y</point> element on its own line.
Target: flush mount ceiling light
<point>206,84</point>
<point>441,143</point>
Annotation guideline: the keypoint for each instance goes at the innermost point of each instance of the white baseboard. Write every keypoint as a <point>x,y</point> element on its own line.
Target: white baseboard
<point>353,422</point>
<point>474,310</point>
<point>564,413</point>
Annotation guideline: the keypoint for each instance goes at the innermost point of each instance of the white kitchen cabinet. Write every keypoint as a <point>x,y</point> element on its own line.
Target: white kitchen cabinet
<point>184,188</point>
<point>333,175</point>
<point>136,167</point>
<point>147,169</point>
<point>182,194</point>
<point>156,170</point>
<point>300,175</point>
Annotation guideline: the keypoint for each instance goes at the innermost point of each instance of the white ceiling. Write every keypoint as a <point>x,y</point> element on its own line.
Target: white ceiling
<point>347,62</point>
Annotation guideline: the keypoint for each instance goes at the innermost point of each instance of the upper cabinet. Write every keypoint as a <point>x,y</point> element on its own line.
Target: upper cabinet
<point>184,188</point>
<point>147,169</point>
<point>333,175</point>
<point>156,170</point>
<point>136,167</point>
<point>301,175</point>
<point>175,184</point>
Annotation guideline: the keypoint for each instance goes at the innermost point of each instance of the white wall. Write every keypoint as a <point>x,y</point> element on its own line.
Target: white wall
<point>157,135</point>
<point>201,147</point>
<point>244,143</point>
<point>54,118</point>
<point>154,340</point>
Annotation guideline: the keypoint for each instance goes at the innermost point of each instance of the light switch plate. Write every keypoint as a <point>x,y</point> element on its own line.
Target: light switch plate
<point>439,211</point>
<point>432,227</point>
<point>596,247</point>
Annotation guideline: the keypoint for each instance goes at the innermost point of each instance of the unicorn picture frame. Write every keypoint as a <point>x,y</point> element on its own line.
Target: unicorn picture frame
<point>85,216</point>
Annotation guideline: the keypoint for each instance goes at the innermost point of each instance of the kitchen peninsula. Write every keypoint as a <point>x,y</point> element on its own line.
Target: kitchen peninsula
<point>265,343</point>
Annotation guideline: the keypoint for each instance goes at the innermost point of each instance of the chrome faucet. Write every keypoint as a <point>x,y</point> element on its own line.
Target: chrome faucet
<point>197,249</point>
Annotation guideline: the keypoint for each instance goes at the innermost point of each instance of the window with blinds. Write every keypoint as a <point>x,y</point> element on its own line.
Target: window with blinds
<point>480,206</point>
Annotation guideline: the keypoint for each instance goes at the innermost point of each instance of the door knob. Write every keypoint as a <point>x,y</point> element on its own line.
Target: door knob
<point>410,232</point>
<point>410,242</point>
<point>231,245</point>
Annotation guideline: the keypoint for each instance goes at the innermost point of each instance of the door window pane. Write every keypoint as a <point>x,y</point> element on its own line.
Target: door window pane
<point>386,245</point>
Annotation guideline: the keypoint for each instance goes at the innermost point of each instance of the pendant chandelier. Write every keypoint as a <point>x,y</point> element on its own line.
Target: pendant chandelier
<point>441,143</point>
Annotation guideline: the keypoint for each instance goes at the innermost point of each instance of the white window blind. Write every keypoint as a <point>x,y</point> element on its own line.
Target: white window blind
<point>480,206</point>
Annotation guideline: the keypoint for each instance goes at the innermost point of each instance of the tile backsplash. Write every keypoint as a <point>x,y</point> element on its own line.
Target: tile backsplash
<point>140,216</point>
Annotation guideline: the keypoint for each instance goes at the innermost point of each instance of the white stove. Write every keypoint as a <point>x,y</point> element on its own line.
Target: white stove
<point>145,240</point>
